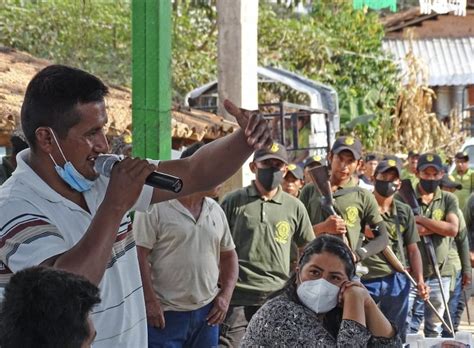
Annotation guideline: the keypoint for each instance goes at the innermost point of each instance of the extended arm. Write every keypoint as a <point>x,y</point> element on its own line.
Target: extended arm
<point>377,244</point>
<point>217,161</point>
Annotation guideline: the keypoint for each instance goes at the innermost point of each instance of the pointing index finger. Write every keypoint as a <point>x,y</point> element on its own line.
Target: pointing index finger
<point>233,109</point>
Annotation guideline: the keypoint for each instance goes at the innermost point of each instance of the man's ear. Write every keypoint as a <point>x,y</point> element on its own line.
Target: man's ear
<point>253,167</point>
<point>44,140</point>
<point>399,184</point>
<point>330,156</point>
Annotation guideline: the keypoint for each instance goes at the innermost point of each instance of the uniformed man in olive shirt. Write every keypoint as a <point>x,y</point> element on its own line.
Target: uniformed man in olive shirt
<point>293,181</point>
<point>468,213</point>
<point>356,207</point>
<point>263,220</point>
<point>464,176</point>
<point>388,287</point>
<point>439,221</point>
<point>366,180</point>
<point>310,163</point>
<point>458,263</point>
<point>409,172</point>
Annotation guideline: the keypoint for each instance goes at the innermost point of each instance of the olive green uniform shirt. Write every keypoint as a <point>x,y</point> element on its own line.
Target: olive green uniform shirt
<point>263,231</point>
<point>458,255</point>
<point>357,207</point>
<point>467,182</point>
<point>468,213</point>
<point>442,204</point>
<point>377,264</point>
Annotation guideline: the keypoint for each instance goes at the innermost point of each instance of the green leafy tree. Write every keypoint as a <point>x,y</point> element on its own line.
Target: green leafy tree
<point>333,44</point>
<point>93,35</point>
<point>341,47</point>
<point>194,47</point>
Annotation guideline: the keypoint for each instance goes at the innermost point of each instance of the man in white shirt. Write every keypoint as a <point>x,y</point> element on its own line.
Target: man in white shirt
<point>57,211</point>
<point>188,266</point>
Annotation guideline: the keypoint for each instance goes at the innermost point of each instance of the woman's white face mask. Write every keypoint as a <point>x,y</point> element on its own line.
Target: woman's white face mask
<point>319,295</point>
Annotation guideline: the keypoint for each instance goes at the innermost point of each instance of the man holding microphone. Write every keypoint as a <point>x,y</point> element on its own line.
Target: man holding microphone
<point>57,211</point>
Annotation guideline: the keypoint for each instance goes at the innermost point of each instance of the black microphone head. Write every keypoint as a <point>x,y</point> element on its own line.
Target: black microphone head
<point>104,164</point>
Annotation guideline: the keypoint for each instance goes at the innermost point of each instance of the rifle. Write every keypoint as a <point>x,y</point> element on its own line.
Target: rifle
<point>408,195</point>
<point>397,265</point>
<point>467,307</point>
<point>320,176</point>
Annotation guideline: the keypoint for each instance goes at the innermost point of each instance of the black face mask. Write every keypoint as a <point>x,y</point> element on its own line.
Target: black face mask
<point>429,186</point>
<point>385,188</point>
<point>270,178</point>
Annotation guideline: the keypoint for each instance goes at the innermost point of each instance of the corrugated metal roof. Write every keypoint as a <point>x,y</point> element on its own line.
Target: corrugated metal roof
<point>450,61</point>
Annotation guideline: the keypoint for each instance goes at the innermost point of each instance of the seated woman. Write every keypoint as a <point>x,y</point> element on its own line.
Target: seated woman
<point>320,306</point>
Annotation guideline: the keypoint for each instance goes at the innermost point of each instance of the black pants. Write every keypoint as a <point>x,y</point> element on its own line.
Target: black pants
<point>235,324</point>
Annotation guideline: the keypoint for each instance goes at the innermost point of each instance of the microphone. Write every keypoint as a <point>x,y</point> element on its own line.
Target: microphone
<point>104,164</point>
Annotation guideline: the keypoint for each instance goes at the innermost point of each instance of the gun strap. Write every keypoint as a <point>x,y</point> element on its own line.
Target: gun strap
<point>344,191</point>
<point>399,237</point>
<point>428,242</point>
<point>336,194</point>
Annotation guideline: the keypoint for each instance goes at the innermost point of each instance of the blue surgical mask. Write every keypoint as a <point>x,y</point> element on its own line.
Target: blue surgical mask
<point>69,174</point>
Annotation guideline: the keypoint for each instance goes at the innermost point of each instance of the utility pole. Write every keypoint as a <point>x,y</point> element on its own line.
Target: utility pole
<point>151,78</point>
<point>237,53</point>
<point>237,65</point>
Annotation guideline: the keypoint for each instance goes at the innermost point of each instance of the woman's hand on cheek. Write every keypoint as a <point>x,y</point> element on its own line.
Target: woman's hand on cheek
<point>353,291</point>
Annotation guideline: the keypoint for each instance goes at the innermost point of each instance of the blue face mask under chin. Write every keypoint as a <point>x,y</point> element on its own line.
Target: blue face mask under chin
<point>69,174</point>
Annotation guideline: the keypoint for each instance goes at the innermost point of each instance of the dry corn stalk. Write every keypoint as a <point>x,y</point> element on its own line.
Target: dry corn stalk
<point>414,126</point>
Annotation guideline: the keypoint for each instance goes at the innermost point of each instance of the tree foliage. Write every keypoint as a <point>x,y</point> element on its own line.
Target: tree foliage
<point>333,44</point>
<point>92,35</point>
<point>194,48</point>
<point>341,47</point>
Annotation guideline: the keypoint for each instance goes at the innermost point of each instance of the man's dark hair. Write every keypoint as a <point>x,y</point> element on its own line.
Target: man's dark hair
<point>46,307</point>
<point>192,149</point>
<point>51,97</point>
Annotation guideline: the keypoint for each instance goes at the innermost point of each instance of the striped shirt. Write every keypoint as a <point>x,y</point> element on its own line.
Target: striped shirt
<point>37,223</point>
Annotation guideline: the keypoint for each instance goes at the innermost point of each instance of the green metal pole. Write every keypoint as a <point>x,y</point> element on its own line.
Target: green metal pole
<point>151,78</point>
